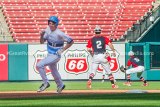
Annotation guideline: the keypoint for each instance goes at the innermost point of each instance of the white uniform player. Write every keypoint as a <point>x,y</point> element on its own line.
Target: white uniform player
<point>55,46</point>
<point>97,48</point>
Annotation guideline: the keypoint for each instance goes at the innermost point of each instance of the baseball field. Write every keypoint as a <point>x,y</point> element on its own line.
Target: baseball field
<point>23,94</point>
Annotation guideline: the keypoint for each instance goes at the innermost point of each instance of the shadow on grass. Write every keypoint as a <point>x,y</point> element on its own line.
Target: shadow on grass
<point>137,96</point>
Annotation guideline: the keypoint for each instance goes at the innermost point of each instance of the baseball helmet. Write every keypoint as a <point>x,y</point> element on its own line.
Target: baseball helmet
<point>97,29</point>
<point>130,53</point>
<point>54,19</point>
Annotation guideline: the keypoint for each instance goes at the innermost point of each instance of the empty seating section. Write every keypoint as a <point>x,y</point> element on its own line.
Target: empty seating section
<point>26,18</point>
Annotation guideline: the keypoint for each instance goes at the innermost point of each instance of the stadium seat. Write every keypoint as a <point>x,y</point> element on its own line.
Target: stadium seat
<point>22,26</point>
<point>77,18</point>
<point>24,30</point>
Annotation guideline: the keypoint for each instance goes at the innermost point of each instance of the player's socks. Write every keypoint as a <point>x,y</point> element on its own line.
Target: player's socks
<point>144,81</point>
<point>89,83</point>
<point>128,78</point>
<point>111,78</point>
<point>128,83</point>
<point>103,76</point>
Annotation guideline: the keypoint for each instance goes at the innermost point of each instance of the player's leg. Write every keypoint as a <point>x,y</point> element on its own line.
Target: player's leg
<point>42,72</point>
<point>107,69</point>
<point>128,72</point>
<point>140,70</point>
<point>57,77</point>
<point>92,74</point>
<point>41,68</point>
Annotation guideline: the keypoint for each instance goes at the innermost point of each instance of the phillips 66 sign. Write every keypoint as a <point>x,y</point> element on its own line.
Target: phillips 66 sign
<point>76,61</point>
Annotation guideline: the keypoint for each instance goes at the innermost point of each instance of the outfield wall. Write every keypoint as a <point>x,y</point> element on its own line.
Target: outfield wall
<point>18,62</point>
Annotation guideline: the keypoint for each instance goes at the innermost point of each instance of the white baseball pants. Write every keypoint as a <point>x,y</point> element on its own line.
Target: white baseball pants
<point>135,70</point>
<point>51,61</point>
<point>100,59</point>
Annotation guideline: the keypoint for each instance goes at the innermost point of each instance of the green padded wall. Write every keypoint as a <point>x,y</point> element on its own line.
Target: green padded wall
<point>18,62</point>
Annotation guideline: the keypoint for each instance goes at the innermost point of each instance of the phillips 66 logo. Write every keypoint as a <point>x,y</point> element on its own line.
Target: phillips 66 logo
<point>39,55</point>
<point>114,62</point>
<point>76,61</point>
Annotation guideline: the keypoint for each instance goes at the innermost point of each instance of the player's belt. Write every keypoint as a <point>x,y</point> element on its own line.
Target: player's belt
<point>54,44</point>
<point>96,53</point>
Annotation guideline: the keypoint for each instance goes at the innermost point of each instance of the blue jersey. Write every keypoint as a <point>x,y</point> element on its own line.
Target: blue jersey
<point>55,40</point>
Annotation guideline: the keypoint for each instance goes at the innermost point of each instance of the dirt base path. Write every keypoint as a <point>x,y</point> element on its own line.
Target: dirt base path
<point>29,94</point>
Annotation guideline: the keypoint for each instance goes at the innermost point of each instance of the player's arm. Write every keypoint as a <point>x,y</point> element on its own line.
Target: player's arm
<point>68,45</point>
<point>42,40</point>
<point>67,39</point>
<point>109,43</point>
<point>126,67</point>
<point>111,46</point>
<point>90,51</point>
<point>123,69</point>
<point>89,47</point>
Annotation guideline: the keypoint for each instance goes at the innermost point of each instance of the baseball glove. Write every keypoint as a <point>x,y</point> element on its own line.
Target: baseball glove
<point>122,68</point>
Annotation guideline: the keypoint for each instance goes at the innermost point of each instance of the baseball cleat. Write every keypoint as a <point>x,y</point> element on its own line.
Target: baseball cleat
<point>43,87</point>
<point>145,84</point>
<point>114,86</point>
<point>59,90</point>
<point>127,83</point>
<point>89,84</point>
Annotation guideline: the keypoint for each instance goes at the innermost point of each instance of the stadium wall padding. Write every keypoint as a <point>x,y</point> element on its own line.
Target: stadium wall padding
<point>3,62</point>
<point>18,62</point>
<point>152,74</point>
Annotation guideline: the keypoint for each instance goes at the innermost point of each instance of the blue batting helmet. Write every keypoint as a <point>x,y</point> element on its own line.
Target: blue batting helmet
<point>54,19</point>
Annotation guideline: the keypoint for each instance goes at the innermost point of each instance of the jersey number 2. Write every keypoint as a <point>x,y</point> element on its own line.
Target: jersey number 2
<point>99,44</point>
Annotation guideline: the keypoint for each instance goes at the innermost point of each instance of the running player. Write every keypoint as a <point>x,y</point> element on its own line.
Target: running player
<point>55,46</point>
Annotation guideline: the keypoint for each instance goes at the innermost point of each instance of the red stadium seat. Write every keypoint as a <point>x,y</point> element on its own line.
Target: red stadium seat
<point>22,26</point>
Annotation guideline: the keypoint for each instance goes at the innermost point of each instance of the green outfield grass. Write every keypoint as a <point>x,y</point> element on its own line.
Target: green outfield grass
<point>76,85</point>
<point>94,100</point>
<point>90,100</point>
